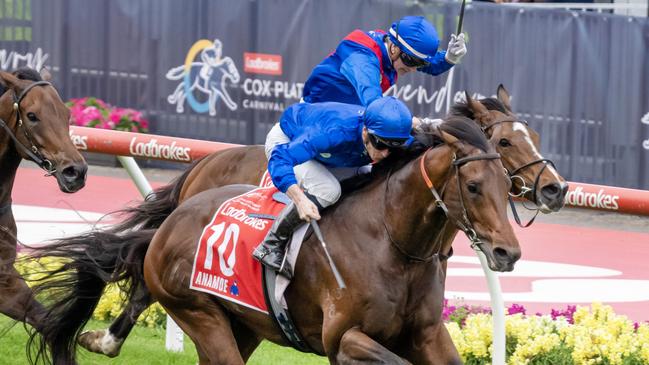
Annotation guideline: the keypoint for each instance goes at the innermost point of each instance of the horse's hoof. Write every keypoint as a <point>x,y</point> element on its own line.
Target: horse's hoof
<point>100,342</point>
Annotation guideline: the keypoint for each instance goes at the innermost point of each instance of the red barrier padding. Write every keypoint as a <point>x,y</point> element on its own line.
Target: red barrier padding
<point>601,197</point>
<point>580,195</point>
<point>143,145</point>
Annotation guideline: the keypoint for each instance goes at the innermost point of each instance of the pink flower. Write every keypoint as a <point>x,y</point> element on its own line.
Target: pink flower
<point>93,112</point>
<point>116,115</point>
<point>516,308</point>
<point>568,313</point>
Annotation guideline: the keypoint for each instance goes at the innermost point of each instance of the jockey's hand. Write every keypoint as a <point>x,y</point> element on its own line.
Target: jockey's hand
<point>425,125</point>
<point>456,49</point>
<point>307,210</point>
<point>305,207</point>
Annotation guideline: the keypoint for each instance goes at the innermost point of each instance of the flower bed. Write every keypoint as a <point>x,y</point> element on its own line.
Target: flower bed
<point>96,113</point>
<point>577,335</point>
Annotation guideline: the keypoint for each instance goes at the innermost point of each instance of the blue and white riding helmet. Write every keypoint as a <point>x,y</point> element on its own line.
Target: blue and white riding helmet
<point>389,119</point>
<point>415,36</point>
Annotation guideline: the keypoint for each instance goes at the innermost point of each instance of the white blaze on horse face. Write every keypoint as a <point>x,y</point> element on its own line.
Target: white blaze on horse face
<point>521,127</point>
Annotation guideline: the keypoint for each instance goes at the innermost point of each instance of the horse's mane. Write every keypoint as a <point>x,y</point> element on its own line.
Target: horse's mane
<point>460,127</point>
<point>462,108</point>
<point>23,74</point>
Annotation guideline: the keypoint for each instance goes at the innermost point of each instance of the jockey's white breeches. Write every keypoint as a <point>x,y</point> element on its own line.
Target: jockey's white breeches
<point>313,177</point>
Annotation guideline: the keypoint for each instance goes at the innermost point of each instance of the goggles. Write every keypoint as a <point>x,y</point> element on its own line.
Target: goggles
<point>410,61</point>
<point>384,143</point>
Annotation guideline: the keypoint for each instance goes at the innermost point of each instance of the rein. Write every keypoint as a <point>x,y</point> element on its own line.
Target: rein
<point>33,152</point>
<point>524,190</point>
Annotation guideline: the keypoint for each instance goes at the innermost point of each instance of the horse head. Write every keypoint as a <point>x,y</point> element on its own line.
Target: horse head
<point>38,122</point>
<point>533,176</point>
<point>475,191</point>
<point>458,184</point>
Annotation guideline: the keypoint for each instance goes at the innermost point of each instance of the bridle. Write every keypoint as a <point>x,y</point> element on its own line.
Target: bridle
<point>33,152</point>
<point>513,175</point>
<point>464,224</point>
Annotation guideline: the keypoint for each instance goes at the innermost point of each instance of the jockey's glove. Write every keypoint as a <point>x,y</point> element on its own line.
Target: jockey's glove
<point>427,125</point>
<point>456,49</point>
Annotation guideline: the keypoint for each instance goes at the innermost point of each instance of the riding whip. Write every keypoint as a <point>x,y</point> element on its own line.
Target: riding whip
<point>318,233</point>
<point>461,20</point>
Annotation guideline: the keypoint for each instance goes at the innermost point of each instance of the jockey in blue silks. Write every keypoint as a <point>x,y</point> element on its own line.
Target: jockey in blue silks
<point>313,147</point>
<point>366,64</point>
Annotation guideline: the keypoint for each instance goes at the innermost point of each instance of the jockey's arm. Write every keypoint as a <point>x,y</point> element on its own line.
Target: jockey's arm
<point>280,166</point>
<point>362,71</point>
<point>438,66</point>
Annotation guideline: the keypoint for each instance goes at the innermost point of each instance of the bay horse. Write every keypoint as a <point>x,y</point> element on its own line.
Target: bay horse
<point>384,238</point>
<point>34,125</point>
<point>533,177</point>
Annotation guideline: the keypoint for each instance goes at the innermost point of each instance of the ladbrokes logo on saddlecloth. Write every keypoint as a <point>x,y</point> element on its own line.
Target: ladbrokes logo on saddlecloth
<point>207,76</point>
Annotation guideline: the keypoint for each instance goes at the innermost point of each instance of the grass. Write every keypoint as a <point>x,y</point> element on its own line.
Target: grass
<point>145,346</point>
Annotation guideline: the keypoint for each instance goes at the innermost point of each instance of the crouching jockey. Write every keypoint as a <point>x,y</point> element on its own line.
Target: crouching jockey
<point>313,147</point>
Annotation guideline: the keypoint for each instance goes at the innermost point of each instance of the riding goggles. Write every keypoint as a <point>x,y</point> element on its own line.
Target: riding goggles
<point>410,61</point>
<point>385,143</point>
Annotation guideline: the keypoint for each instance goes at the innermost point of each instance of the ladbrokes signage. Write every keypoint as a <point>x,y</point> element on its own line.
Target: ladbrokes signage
<point>153,149</point>
<point>262,63</point>
<point>597,200</point>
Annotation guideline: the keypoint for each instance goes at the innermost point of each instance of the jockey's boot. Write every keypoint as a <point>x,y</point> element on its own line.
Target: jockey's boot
<point>271,252</point>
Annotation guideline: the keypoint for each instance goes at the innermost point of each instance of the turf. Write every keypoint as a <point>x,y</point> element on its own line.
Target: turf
<point>144,346</point>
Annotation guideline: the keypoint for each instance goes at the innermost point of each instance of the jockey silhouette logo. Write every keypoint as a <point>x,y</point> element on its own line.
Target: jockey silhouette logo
<point>210,76</point>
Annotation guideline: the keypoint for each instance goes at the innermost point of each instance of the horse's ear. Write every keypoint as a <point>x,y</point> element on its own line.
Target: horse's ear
<point>45,74</point>
<point>448,138</point>
<point>503,96</point>
<point>10,81</point>
<point>476,107</point>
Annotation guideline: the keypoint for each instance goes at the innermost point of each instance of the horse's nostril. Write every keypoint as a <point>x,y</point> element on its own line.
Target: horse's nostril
<point>501,253</point>
<point>74,172</point>
<point>551,191</point>
<point>70,172</point>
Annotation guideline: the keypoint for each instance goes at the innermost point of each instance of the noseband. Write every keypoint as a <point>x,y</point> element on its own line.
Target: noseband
<point>33,152</point>
<point>513,175</point>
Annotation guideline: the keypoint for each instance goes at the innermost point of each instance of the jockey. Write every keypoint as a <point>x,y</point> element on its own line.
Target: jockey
<point>366,64</point>
<point>313,147</point>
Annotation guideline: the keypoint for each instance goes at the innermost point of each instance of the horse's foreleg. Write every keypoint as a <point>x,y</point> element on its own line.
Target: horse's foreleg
<point>358,348</point>
<point>109,342</point>
<point>17,299</point>
<point>433,345</point>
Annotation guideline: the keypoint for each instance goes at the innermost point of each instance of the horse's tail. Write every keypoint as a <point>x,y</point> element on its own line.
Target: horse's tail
<point>155,208</point>
<point>71,291</point>
<point>90,261</point>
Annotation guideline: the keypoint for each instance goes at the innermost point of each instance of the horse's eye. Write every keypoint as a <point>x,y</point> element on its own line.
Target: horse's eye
<point>504,142</point>
<point>32,117</point>
<point>473,188</point>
